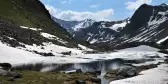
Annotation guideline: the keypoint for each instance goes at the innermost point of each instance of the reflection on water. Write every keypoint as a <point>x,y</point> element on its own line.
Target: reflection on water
<point>102,66</point>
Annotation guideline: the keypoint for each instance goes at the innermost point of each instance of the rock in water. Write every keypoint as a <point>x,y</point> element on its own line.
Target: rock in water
<point>127,71</point>
<point>78,71</point>
<point>80,82</point>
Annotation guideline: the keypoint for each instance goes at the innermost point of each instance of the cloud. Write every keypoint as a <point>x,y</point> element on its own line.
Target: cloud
<point>66,1</point>
<point>70,15</point>
<point>135,5</point>
<point>94,6</point>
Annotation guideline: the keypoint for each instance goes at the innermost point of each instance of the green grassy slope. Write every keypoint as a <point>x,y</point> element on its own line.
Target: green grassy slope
<point>31,13</point>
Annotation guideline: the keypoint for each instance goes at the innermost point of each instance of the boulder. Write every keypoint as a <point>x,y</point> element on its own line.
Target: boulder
<point>166,57</point>
<point>166,60</point>
<point>146,67</point>
<point>6,66</point>
<point>80,82</point>
<point>3,72</point>
<point>137,61</point>
<point>119,77</point>
<point>127,71</point>
<point>11,79</point>
<point>154,56</point>
<point>14,75</point>
<point>67,53</point>
<point>78,71</point>
<point>10,74</point>
<point>111,74</point>
<point>95,80</point>
<point>95,72</point>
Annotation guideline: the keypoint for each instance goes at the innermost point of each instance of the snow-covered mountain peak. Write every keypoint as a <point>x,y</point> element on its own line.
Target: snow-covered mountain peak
<point>164,4</point>
<point>72,26</point>
<point>83,24</point>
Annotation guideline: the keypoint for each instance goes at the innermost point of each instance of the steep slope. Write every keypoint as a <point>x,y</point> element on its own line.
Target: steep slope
<point>27,25</point>
<point>148,25</point>
<point>68,25</point>
<point>30,14</point>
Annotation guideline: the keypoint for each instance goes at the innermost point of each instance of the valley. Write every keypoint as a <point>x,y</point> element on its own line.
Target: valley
<point>38,48</point>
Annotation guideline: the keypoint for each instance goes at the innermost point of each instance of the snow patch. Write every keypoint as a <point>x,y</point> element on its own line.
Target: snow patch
<point>52,37</point>
<point>34,29</point>
<point>83,24</point>
<point>114,27</point>
<point>157,21</point>
<point>84,47</point>
<point>117,26</point>
<point>93,41</point>
<point>162,40</point>
<point>49,36</point>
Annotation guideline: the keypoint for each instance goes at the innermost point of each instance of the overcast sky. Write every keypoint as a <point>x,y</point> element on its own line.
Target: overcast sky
<point>95,9</point>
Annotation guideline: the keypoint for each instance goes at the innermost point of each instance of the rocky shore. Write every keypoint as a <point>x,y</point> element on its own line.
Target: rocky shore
<point>127,71</point>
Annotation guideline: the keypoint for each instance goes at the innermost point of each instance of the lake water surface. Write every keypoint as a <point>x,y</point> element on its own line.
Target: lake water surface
<point>103,66</point>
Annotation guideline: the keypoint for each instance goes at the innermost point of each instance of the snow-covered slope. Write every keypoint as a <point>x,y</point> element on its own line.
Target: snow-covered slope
<point>102,31</point>
<point>41,54</point>
<point>20,55</point>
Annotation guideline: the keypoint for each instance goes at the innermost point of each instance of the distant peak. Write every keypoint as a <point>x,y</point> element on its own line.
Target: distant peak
<point>164,4</point>
<point>88,20</point>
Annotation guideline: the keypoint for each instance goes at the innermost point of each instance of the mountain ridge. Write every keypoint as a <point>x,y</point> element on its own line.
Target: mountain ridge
<point>146,26</point>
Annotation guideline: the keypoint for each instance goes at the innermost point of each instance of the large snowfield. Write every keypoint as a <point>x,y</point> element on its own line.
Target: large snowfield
<point>17,56</point>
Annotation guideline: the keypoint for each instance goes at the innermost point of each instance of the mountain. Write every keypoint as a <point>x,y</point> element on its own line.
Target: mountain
<point>148,25</point>
<point>73,26</point>
<point>27,25</point>
<point>101,31</point>
<point>92,31</point>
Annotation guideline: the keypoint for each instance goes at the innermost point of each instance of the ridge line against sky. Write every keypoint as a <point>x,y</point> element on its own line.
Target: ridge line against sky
<point>95,9</point>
